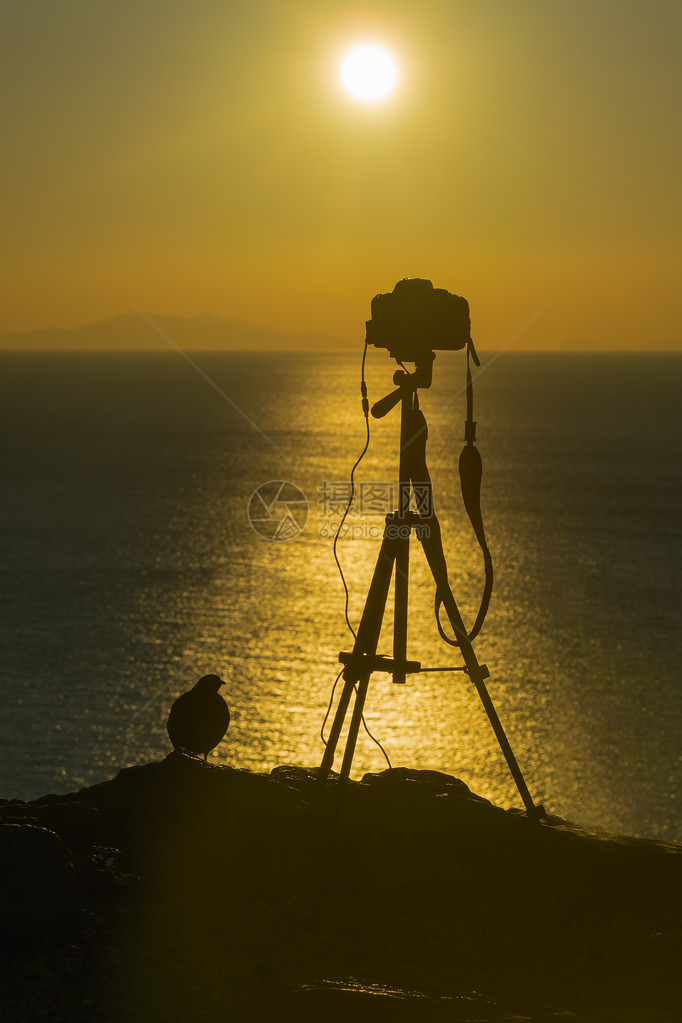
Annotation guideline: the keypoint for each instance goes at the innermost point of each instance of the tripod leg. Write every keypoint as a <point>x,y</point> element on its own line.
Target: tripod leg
<point>335,733</point>
<point>402,564</point>
<point>358,709</point>
<point>366,641</point>
<point>402,578</point>
<point>430,537</point>
<point>512,763</point>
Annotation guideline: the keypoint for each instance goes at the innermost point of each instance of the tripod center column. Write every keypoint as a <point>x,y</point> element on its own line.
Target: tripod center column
<point>401,524</point>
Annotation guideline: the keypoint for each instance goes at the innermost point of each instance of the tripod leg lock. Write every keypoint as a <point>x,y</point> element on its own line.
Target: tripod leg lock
<point>479,673</point>
<point>362,662</point>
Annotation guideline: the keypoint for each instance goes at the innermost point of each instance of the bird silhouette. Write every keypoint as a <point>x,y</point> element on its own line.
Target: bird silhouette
<point>199,719</point>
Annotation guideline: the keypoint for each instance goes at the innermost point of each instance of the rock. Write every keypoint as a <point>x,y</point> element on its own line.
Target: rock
<point>404,878</point>
<point>40,891</point>
<point>433,781</point>
<point>79,826</point>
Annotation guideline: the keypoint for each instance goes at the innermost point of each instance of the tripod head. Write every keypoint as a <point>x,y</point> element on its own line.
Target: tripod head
<point>407,382</point>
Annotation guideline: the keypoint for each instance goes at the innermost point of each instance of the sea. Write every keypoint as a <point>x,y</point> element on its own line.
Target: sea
<point>164,517</point>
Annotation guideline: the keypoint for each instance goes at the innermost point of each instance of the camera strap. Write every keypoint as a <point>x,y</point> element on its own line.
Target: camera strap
<point>470,474</point>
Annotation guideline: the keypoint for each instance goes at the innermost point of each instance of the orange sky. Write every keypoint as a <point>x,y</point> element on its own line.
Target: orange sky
<point>203,158</point>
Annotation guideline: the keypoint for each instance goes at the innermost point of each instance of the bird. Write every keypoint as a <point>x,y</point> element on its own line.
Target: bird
<point>199,719</point>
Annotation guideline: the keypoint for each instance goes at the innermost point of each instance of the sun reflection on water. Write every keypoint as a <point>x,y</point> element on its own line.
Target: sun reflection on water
<point>158,578</point>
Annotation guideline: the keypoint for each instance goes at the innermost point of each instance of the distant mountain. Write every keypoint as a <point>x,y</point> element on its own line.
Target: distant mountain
<point>581,344</point>
<point>132,332</point>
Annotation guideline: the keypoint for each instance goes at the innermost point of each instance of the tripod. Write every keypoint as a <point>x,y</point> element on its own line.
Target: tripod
<point>363,660</point>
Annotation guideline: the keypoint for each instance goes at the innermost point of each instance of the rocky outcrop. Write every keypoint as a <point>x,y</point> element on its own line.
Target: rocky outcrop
<point>263,888</point>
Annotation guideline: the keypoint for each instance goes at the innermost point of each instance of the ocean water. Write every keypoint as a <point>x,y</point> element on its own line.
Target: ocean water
<point>129,568</point>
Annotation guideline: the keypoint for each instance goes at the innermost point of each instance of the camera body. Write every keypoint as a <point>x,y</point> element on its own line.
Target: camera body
<point>415,319</point>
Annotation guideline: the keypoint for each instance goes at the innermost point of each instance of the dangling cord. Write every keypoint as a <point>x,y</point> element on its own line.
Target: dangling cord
<point>374,738</point>
<point>329,707</point>
<point>365,410</point>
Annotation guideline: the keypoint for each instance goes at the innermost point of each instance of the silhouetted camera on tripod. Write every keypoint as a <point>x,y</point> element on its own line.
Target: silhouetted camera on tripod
<point>415,319</point>
<point>411,322</point>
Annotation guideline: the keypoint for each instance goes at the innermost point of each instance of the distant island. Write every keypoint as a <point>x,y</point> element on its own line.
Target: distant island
<point>132,332</point>
<point>135,332</point>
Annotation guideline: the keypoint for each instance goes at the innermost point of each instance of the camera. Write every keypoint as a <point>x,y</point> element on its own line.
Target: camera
<point>416,318</point>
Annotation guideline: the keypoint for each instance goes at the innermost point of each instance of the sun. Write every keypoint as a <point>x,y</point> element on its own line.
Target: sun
<point>369,73</point>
